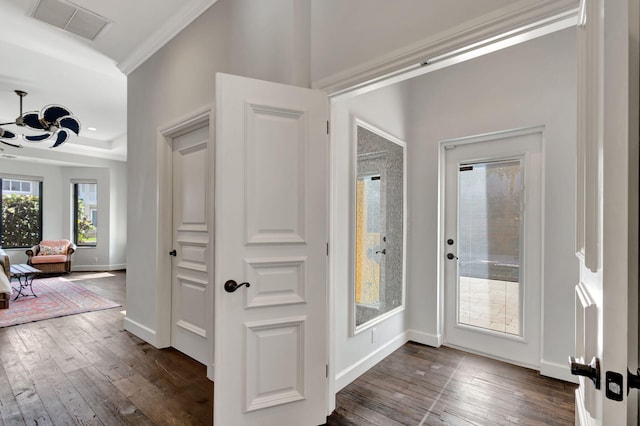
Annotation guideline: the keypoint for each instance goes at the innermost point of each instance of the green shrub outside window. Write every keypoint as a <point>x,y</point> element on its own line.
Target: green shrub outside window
<point>21,224</point>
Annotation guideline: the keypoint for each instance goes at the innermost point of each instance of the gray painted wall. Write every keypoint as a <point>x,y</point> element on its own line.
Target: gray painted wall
<point>527,85</point>
<point>265,40</point>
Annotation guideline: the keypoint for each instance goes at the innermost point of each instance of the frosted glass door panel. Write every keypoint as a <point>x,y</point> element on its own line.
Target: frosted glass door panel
<point>490,198</point>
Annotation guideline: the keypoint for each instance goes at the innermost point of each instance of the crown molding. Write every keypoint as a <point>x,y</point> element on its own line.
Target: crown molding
<point>164,34</point>
<point>520,17</point>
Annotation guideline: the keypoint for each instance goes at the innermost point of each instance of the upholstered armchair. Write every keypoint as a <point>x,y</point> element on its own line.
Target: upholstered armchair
<point>51,256</point>
<point>5,280</point>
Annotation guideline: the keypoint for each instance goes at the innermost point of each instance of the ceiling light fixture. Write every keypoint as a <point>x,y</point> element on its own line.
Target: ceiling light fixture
<point>54,120</point>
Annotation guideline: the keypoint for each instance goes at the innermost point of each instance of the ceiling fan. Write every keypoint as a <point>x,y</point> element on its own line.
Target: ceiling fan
<point>55,121</point>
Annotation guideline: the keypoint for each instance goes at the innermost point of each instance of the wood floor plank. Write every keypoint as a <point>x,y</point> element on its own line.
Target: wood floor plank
<point>24,389</point>
<point>109,405</point>
<point>9,409</point>
<point>72,407</point>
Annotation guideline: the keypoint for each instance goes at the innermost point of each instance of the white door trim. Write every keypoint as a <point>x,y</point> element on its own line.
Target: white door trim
<point>165,135</point>
<point>444,146</point>
<point>522,20</point>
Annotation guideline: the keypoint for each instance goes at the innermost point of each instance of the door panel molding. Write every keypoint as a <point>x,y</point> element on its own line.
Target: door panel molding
<point>269,382</point>
<point>266,178</point>
<point>276,281</point>
<point>586,311</point>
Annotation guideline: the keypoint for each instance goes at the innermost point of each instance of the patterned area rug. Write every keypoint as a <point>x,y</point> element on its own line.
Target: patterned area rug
<point>57,297</point>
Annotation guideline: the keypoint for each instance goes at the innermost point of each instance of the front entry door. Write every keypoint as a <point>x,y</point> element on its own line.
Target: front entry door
<point>492,245</point>
<point>271,256</point>
<point>189,276</point>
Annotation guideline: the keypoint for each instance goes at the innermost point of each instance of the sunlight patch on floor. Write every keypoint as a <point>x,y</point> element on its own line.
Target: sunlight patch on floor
<point>87,276</point>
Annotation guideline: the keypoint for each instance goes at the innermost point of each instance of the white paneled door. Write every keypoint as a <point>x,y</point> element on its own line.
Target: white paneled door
<point>190,244</point>
<point>607,212</point>
<point>271,253</point>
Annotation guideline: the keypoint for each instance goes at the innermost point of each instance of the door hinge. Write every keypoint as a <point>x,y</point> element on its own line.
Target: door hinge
<point>327,371</point>
<point>327,126</point>
<point>327,249</point>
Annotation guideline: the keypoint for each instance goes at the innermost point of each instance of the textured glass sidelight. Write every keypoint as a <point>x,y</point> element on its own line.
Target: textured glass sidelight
<point>378,280</point>
<point>490,197</point>
<point>368,241</point>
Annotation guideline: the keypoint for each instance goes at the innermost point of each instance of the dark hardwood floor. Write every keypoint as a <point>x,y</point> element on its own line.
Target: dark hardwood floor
<point>86,370</point>
<point>421,385</point>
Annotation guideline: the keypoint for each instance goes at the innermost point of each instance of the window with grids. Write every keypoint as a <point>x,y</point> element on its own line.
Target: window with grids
<point>21,224</point>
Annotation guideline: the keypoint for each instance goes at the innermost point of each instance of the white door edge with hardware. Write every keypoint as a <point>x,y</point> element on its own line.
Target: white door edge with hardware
<point>607,211</point>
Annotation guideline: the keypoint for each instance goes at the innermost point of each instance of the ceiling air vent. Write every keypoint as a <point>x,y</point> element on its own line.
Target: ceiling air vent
<point>70,18</point>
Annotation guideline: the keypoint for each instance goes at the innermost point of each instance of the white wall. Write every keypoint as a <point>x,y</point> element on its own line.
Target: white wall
<point>386,110</point>
<point>241,37</point>
<point>527,85</point>
<point>109,254</point>
<point>118,215</point>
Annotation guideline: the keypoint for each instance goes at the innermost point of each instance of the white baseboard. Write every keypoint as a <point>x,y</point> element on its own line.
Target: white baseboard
<point>351,373</point>
<point>557,371</point>
<point>142,331</point>
<point>98,268</point>
<point>428,339</point>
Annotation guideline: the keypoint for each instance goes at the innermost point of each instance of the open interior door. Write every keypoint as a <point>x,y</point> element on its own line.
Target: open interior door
<point>270,256</point>
<point>607,208</point>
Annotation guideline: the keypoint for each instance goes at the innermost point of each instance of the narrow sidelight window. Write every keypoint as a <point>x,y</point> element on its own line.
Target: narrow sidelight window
<point>85,208</point>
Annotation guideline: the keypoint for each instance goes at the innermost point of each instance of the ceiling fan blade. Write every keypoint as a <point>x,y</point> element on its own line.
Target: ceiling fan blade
<point>61,137</point>
<point>11,144</point>
<point>70,122</point>
<point>51,113</point>
<point>38,138</point>
<point>5,134</point>
<point>31,119</point>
